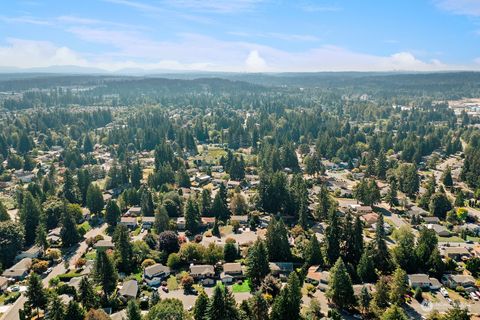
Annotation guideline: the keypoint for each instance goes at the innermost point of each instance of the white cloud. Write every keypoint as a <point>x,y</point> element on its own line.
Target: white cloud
<point>255,63</point>
<point>26,20</point>
<point>28,54</point>
<point>198,52</point>
<point>277,35</point>
<point>462,7</point>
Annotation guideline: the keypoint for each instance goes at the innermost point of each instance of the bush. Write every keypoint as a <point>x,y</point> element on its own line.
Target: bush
<point>40,266</point>
<point>53,254</point>
<point>147,263</point>
<point>418,294</point>
<point>198,238</point>
<point>80,263</point>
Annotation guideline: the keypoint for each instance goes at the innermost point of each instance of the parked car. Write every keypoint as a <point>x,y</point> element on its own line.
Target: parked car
<point>444,292</point>
<point>165,289</point>
<point>473,296</point>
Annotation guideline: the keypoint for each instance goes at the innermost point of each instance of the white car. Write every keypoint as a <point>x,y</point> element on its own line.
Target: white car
<point>444,292</point>
<point>14,288</point>
<point>449,300</point>
<point>473,296</point>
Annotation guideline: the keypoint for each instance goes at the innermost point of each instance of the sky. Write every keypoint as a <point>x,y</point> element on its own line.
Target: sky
<point>242,35</point>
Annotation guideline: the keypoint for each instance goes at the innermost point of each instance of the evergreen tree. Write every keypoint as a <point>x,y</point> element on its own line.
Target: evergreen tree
<point>277,241</point>
<point>340,289</point>
<point>162,220</point>
<point>399,287</point>
<point>381,296</point>
<point>201,306</point>
<point>366,267</point>
<point>325,203</point>
<point>123,249</point>
<point>182,179</point>
<point>83,182</point>
<point>41,237</point>
<point>146,202</point>
<point>394,313</point>
<point>105,272</point>
<point>447,178</point>
<point>230,252</point>
<point>403,252</point>
<point>70,188</point>
<point>112,214</point>
<point>381,254</point>
<point>391,196</point>
<point>136,176</point>
<point>459,200</point>
<point>381,165</point>
<point>192,216</point>
<point>12,239</point>
<point>87,295</point>
<point>222,305</point>
<point>94,199</point>
<point>314,252</point>
<point>257,263</point>
<point>35,294</point>
<point>69,232</point>
<point>55,309</point>
<point>364,299</point>
<point>426,245</point>
<point>287,305</point>
<point>4,216</point>
<point>220,208</point>
<point>87,144</point>
<point>205,203</point>
<point>74,311</point>
<point>30,214</point>
<point>332,238</point>
<point>258,307</point>
<point>133,311</point>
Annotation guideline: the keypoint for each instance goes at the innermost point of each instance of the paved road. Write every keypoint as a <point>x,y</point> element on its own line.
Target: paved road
<point>12,313</point>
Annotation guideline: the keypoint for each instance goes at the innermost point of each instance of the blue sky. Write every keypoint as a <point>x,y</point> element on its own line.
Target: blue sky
<point>242,35</point>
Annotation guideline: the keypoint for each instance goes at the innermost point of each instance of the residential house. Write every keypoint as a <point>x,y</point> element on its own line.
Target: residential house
<point>129,222</point>
<point>33,252</point>
<point>134,212</point>
<point>203,179</point>
<point>431,220</point>
<point>231,272</point>
<point>129,290</point>
<point>207,221</point>
<point>54,237</point>
<point>104,245</point>
<point>20,270</point>
<point>314,274</point>
<point>369,219</point>
<point>203,273</point>
<point>455,253</point>
<point>155,274</point>
<point>419,280</point>
<point>281,268</point>
<point>416,211</point>
<point>441,231</point>
<point>148,222</point>
<point>243,220</point>
<point>454,280</point>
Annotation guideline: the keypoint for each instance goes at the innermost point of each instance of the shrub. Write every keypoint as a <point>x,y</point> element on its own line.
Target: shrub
<point>418,294</point>
<point>147,263</point>
<point>40,266</point>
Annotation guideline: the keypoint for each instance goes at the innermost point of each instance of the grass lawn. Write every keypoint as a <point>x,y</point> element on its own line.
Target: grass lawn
<point>136,232</point>
<point>85,226</point>
<point>474,239</point>
<point>172,283</point>
<point>136,276</point>
<point>6,296</point>
<point>215,153</point>
<point>226,230</point>
<point>450,239</point>
<point>244,287</point>
<point>91,255</point>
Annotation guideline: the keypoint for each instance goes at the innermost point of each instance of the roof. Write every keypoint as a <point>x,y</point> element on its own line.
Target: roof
<point>148,219</point>
<point>155,269</point>
<point>418,278</point>
<point>281,266</point>
<point>456,250</point>
<point>128,220</point>
<point>202,269</point>
<point>18,269</point>
<point>232,267</point>
<point>314,273</point>
<point>104,244</point>
<point>129,288</point>
<point>462,278</point>
<point>370,217</point>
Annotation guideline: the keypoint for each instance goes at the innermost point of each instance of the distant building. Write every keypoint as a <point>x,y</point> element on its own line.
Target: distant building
<point>155,274</point>
<point>129,290</point>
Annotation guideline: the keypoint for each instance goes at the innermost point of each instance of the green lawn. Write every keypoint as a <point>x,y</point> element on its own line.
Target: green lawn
<point>244,287</point>
<point>474,239</point>
<point>172,283</point>
<point>450,239</point>
<point>91,255</point>
<point>136,232</point>
<point>85,226</point>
